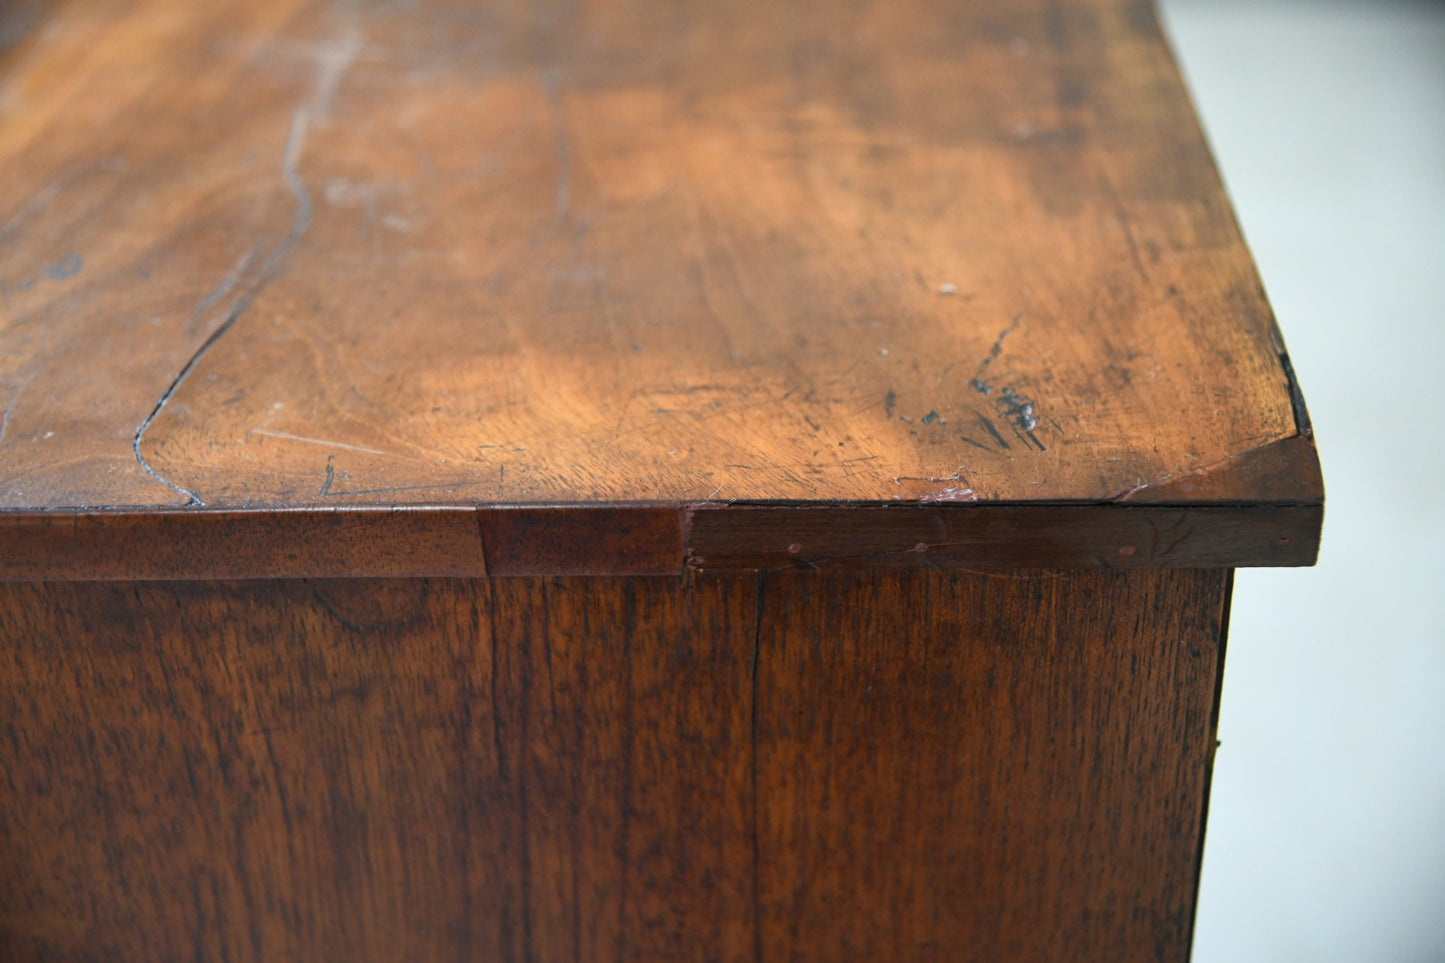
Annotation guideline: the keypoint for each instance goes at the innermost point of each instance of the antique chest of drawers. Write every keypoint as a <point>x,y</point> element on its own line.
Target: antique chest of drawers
<point>603,480</point>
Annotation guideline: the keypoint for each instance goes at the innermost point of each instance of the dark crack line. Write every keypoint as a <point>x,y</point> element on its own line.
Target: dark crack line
<point>295,137</point>
<point>1121,217</point>
<point>997,349</point>
<point>222,289</point>
<point>977,383</point>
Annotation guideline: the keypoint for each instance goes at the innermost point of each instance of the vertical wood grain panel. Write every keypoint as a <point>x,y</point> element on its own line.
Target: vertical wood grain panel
<point>812,766</point>
<point>375,770</point>
<point>629,703</point>
<point>984,768</point>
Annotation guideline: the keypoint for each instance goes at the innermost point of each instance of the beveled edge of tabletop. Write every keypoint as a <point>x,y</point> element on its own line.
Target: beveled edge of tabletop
<point>1263,507</point>
<point>649,539</point>
<point>1259,508</point>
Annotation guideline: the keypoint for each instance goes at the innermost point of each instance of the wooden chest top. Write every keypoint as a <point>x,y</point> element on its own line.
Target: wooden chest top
<point>559,276</point>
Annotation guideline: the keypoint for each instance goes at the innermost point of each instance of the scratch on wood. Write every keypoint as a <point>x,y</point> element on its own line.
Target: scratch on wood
<point>988,426</point>
<point>953,493</point>
<point>330,477</point>
<point>562,144</point>
<point>957,476</point>
<point>1172,534</point>
<point>1125,494</point>
<point>391,489</point>
<point>976,382</point>
<point>314,441</point>
<point>962,491</point>
<point>36,203</point>
<point>332,60</point>
<point>222,289</point>
<point>997,348</point>
<point>1122,218</point>
<point>14,397</point>
<point>295,138</point>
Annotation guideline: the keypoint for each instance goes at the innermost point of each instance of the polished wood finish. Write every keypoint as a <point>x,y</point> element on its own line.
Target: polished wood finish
<point>744,768</point>
<point>541,481</point>
<point>298,255</point>
<point>1019,777</point>
<point>646,540</point>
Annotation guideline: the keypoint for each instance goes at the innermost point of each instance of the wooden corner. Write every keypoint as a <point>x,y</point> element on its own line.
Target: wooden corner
<point>1282,472</point>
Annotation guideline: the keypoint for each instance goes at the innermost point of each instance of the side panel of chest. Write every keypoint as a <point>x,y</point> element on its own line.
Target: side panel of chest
<point>919,765</point>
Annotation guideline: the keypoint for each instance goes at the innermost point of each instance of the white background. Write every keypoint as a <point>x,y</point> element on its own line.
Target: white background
<point>1326,836</point>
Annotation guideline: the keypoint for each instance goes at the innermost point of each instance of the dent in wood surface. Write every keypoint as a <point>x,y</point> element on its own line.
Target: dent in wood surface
<point>905,766</point>
<point>293,253</point>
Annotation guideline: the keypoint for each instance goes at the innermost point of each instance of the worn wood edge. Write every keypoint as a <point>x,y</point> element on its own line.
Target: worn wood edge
<point>404,542</point>
<point>1209,759</point>
<point>220,544</point>
<point>584,539</point>
<point>646,539</point>
<point>1284,472</point>
<point>1000,536</point>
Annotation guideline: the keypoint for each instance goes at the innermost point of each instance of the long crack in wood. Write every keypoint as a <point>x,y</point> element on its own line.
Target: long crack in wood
<point>295,139</point>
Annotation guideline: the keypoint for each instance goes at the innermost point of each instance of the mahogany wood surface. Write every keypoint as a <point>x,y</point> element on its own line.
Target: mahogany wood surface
<point>646,540</point>
<point>791,765</point>
<point>282,254</point>
<point>553,480</point>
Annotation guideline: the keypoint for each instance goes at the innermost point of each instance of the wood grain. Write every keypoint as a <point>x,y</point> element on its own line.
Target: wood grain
<point>784,766</point>
<point>856,344</point>
<point>301,253</point>
<point>1018,774</point>
<point>359,770</point>
<point>426,541</point>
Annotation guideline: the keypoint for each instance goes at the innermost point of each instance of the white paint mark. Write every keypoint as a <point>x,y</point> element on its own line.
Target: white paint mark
<point>332,60</point>
<point>951,494</point>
